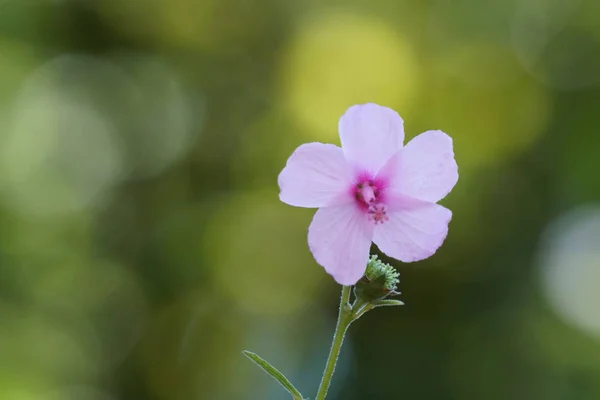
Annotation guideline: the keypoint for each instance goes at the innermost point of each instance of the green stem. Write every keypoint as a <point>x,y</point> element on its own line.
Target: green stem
<point>344,320</point>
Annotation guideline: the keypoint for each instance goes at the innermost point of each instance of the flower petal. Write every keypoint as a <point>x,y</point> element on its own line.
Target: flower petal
<point>414,231</point>
<point>370,135</point>
<point>340,239</point>
<point>427,169</point>
<point>315,175</point>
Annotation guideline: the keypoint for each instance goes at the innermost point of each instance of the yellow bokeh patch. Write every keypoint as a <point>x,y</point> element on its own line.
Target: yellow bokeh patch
<point>337,60</point>
<point>257,249</point>
<point>481,97</point>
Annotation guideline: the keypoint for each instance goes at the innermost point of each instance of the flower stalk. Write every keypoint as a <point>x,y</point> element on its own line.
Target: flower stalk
<point>379,282</point>
<point>344,320</point>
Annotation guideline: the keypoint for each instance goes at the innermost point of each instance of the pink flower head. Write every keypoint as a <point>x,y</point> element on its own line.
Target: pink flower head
<point>372,189</point>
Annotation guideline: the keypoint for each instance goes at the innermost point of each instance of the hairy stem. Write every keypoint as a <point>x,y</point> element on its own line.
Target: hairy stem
<point>344,320</point>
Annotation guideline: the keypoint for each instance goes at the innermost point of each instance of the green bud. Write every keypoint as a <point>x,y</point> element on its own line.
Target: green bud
<point>380,281</point>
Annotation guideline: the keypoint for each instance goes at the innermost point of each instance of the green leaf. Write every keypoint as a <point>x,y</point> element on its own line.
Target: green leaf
<point>278,376</point>
<point>383,303</point>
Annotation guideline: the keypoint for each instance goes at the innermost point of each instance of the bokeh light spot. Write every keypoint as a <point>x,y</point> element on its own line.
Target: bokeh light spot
<point>258,253</point>
<point>337,60</point>
<point>570,268</point>
<point>555,42</point>
<point>41,347</point>
<point>488,118</point>
<point>164,118</point>
<point>61,153</point>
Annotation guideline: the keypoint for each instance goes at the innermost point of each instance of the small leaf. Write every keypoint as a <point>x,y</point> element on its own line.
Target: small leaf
<point>278,376</point>
<point>383,303</point>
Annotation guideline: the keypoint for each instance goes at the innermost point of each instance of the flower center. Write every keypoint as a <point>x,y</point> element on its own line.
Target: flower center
<point>368,197</point>
<point>378,213</point>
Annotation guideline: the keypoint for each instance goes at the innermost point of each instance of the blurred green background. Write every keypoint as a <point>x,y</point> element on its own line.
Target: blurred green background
<point>143,245</point>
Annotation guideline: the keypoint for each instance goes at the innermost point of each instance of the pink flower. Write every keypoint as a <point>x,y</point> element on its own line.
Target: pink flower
<point>372,189</point>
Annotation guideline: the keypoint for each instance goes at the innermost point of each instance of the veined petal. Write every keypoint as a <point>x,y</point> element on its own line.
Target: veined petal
<point>340,239</point>
<point>426,168</point>
<point>370,135</point>
<point>414,231</point>
<point>315,175</point>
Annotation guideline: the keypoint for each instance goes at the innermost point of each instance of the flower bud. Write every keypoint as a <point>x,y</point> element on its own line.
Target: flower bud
<point>380,281</point>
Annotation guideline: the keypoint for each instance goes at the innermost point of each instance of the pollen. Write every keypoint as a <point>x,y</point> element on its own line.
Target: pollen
<point>378,213</point>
